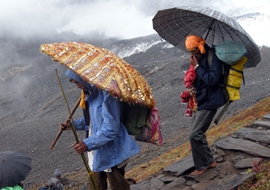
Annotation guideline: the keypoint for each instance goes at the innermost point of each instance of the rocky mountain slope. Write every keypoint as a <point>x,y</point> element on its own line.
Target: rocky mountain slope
<point>32,105</point>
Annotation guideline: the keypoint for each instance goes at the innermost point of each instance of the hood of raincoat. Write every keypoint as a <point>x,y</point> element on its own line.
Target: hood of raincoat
<point>72,75</point>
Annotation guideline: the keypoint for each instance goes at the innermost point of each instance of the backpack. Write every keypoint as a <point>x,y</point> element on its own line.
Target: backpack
<point>231,54</point>
<point>143,123</point>
<point>134,118</point>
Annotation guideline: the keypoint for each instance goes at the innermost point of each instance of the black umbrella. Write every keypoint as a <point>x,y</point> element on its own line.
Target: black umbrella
<point>14,167</point>
<point>175,24</point>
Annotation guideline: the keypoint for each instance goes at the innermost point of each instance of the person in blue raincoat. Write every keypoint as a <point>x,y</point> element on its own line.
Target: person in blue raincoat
<point>109,145</point>
<point>209,95</point>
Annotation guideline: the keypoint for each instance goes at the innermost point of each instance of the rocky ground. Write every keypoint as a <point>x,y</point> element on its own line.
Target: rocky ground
<point>32,107</point>
<point>238,159</point>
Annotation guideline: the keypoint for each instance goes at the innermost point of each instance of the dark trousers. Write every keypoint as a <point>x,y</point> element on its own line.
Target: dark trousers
<point>116,179</point>
<point>202,155</point>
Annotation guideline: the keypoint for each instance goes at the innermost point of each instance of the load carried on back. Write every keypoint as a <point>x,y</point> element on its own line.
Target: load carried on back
<point>233,58</point>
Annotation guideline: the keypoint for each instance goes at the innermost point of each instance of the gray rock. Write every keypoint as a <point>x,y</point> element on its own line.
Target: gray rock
<point>218,158</point>
<point>208,175</point>
<point>225,169</point>
<point>179,183</point>
<point>263,124</point>
<point>246,163</point>
<point>167,179</point>
<point>237,158</point>
<point>187,188</point>
<point>179,167</point>
<point>202,186</point>
<point>156,183</point>
<point>266,117</point>
<point>220,152</point>
<point>243,145</point>
<point>190,183</point>
<point>143,185</point>
<point>229,182</point>
<point>254,135</point>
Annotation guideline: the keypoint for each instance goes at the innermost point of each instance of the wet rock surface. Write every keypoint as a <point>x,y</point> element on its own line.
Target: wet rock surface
<point>234,156</point>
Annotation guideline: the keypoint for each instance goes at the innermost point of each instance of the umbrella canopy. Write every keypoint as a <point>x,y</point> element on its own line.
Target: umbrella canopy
<point>175,24</point>
<point>103,69</point>
<point>14,167</point>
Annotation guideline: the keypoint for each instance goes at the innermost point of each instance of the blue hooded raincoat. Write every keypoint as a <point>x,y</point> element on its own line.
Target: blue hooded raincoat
<point>109,138</point>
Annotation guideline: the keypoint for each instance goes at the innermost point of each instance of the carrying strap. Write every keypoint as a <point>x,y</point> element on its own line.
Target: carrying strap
<point>221,113</point>
<point>210,56</point>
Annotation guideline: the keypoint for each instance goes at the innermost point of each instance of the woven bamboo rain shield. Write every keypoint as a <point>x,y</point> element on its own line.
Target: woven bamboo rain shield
<point>103,69</point>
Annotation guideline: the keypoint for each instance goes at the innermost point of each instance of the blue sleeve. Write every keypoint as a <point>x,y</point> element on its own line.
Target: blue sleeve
<point>110,124</point>
<point>211,76</point>
<point>80,124</point>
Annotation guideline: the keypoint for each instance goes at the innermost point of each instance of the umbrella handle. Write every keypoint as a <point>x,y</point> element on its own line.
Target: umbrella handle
<point>61,130</point>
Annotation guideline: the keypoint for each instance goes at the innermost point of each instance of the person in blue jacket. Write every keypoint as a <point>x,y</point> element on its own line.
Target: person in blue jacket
<point>209,95</point>
<point>109,145</point>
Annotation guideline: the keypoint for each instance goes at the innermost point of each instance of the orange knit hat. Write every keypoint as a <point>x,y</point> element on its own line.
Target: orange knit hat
<point>193,42</point>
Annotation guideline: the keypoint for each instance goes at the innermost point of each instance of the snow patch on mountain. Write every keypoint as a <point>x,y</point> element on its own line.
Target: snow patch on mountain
<point>141,47</point>
<point>127,48</point>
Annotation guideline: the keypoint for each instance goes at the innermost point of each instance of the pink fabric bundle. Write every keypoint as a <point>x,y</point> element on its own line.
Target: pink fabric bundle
<point>188,96</point>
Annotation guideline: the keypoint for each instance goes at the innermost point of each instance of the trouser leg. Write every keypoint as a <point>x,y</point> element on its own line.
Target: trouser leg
<point>117,180</point>
<point>100,179</point>
<point>122,170</point>
<point>201,152</point>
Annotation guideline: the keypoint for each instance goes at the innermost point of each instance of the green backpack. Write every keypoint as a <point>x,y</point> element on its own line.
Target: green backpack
<point>134,118</point>
<point>143,123</point>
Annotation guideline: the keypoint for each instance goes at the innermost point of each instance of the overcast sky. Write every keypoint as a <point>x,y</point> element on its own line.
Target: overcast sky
<point>115,18</point>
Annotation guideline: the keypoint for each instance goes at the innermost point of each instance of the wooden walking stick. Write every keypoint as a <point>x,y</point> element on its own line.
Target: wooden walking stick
<point>61,130</point>
<point>70,120</point>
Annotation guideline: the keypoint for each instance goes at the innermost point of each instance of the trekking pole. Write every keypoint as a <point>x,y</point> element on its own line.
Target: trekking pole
<point>61,130</point>
<point>90,173</point>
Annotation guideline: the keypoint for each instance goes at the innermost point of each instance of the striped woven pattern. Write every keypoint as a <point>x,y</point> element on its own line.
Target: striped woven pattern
<point>103,69</point>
